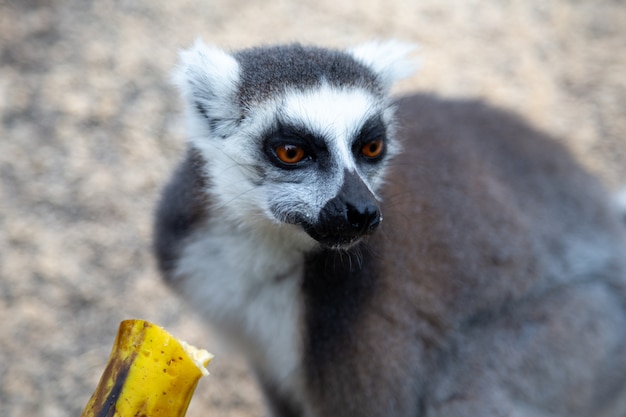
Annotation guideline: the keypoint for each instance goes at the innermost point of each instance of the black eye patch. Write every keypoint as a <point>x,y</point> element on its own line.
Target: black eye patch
<point>372,130</point>
<point>283,134</point>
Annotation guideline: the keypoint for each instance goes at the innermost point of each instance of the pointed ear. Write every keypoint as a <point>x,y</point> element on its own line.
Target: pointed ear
<point>390,60</point>
<point>207,78</point>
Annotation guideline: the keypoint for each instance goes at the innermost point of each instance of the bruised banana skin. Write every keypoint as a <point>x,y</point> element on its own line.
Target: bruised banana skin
<point>150,373</point>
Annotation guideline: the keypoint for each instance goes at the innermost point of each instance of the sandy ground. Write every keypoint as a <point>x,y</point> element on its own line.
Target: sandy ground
<point>90,129</point>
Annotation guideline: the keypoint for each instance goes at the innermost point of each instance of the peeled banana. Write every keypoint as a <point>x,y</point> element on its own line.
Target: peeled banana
<point>150,373</point>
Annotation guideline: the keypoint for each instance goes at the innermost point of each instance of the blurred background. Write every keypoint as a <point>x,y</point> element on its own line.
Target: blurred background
<point>90,130</point>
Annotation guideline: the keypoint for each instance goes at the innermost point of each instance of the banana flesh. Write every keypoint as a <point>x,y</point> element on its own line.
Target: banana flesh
<point>150,373</point>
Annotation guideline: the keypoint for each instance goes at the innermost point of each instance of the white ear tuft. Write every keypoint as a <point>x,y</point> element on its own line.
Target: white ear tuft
<point>388,59</point>
<point>207,78</point>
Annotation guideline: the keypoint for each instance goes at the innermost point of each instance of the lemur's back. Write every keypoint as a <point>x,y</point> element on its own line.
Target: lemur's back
<point>471,268</point>
<point>485,196</point>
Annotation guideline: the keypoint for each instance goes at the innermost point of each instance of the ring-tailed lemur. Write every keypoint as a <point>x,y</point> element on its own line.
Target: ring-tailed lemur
<point>482,275</point>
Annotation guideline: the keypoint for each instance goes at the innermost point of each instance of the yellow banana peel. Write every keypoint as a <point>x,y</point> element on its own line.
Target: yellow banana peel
<point>150,373</point>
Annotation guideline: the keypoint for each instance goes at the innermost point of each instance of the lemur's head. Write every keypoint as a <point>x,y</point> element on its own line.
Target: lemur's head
<point>295,137</point>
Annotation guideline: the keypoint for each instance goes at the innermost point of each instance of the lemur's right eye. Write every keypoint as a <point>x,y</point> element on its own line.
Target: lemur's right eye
<point>290,154</point>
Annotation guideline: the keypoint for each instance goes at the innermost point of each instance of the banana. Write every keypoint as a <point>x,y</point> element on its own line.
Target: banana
<point>150,373</point>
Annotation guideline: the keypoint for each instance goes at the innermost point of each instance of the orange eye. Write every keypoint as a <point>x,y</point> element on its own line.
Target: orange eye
<point>290,154</point>
<point>373,149</point>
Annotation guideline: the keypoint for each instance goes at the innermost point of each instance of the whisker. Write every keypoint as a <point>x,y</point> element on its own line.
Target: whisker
<point>226,204</point>
<point>251,168</point>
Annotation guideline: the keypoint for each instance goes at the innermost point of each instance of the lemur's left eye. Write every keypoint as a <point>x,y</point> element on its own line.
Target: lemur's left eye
<point>373,149</point>
<point>290,154</point>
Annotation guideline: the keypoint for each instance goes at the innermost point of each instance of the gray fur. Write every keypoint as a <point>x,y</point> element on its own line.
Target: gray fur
<point>268,71</point>
<point>495,286</point>
<point>182,209</point>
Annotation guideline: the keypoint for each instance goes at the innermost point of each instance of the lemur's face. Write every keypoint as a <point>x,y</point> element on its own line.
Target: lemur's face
<point>293,137</point>
<point>320,162</point>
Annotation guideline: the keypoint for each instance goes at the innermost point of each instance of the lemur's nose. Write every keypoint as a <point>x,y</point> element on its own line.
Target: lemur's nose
<point>362,217</point>
<point>351,214</point>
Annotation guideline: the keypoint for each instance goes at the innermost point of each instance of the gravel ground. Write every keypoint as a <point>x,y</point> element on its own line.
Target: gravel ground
<point>90,129</point>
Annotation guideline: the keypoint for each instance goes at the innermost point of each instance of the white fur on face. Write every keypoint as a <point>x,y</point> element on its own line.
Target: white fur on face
<point>335,114</point>
<point>338,114</point>
<point>253,191</point>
